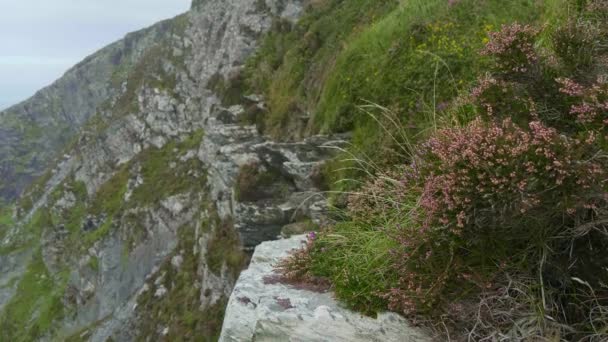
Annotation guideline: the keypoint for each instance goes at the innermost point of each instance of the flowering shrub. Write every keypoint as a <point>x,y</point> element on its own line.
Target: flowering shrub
<point>482,180</point>
<point>513,48</point>
<point>464,173</point>
<point>525,85</point>
<point>589,105</point>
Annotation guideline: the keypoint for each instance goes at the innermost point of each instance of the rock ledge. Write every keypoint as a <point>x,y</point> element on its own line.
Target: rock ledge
<point>258,311</point>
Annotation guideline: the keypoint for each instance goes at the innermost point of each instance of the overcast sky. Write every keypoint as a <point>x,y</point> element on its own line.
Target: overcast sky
<point>41,39</point>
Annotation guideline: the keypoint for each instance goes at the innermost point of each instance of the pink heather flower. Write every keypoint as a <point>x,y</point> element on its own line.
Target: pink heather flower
<point>569,87</point>
<point>513,47</point>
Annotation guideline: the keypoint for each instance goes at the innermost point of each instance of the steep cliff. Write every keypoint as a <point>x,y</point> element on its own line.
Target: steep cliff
<point>36,131</point>
<point>139,229</point>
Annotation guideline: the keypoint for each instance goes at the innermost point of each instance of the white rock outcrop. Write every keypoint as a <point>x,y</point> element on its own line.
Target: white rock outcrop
<point>263,310</point>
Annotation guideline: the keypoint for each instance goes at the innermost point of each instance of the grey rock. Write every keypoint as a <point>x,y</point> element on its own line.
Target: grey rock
<point>263,310</point>
<point>59,111</point>
<point>297,228</point>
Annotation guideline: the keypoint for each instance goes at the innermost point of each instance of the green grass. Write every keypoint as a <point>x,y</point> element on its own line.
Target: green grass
<point>38,303</point>
<point>162,181</point>
<point>356,259</point>
<point>411,57</point>
<point>414,61</point>
<point>293,63</point>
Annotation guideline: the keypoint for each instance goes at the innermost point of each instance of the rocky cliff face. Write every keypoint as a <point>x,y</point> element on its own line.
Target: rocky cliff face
<point>139,229</point>
<point>34,132</point>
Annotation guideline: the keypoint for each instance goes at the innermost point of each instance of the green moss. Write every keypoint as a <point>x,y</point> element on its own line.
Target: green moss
<point>37,304</point>
<point>94,263</point>
<point>160,179</point>
<point>29,233</point>
<point>6,220</point>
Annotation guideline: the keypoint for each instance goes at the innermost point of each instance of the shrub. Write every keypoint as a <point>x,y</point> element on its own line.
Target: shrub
<point>493,199</point>
<point>513,49</point>
<point>525,85</point>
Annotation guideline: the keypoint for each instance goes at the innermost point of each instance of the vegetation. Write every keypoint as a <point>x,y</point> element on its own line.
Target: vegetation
<point>411,57</point>
<point>225,249</point>
<point>38,302</point>
<point>39,298</point>
<point>6,220</point>
<point>293,62</point>
<point>476,178</point>
<point>161,179</point>
<point>490,220</point>
<point>163,175</point>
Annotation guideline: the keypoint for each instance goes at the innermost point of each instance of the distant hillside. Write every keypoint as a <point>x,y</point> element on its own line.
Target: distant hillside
<point>34,132</point>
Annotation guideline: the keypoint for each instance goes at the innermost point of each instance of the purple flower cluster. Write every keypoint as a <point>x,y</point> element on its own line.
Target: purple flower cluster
<point>513,48</point>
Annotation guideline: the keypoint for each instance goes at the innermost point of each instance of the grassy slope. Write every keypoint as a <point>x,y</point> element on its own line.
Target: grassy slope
<point>410,58</point>
<point>293,62</point>
<point>38,302</point>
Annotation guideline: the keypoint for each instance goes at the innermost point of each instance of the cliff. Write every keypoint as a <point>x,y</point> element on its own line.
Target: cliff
<point>140,227</point>
<point>35,132</point>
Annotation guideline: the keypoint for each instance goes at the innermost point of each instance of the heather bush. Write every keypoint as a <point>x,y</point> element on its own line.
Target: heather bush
<point>487,214</point>
<point>497,202</point>
<point>564,87</point>
<point>513,50</point>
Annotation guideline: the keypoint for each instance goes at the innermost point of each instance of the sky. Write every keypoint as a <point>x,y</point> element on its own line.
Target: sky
<point>41,39</point>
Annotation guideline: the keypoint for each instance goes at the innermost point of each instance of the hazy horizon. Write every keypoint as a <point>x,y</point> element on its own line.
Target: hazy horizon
<point>60,34</point>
